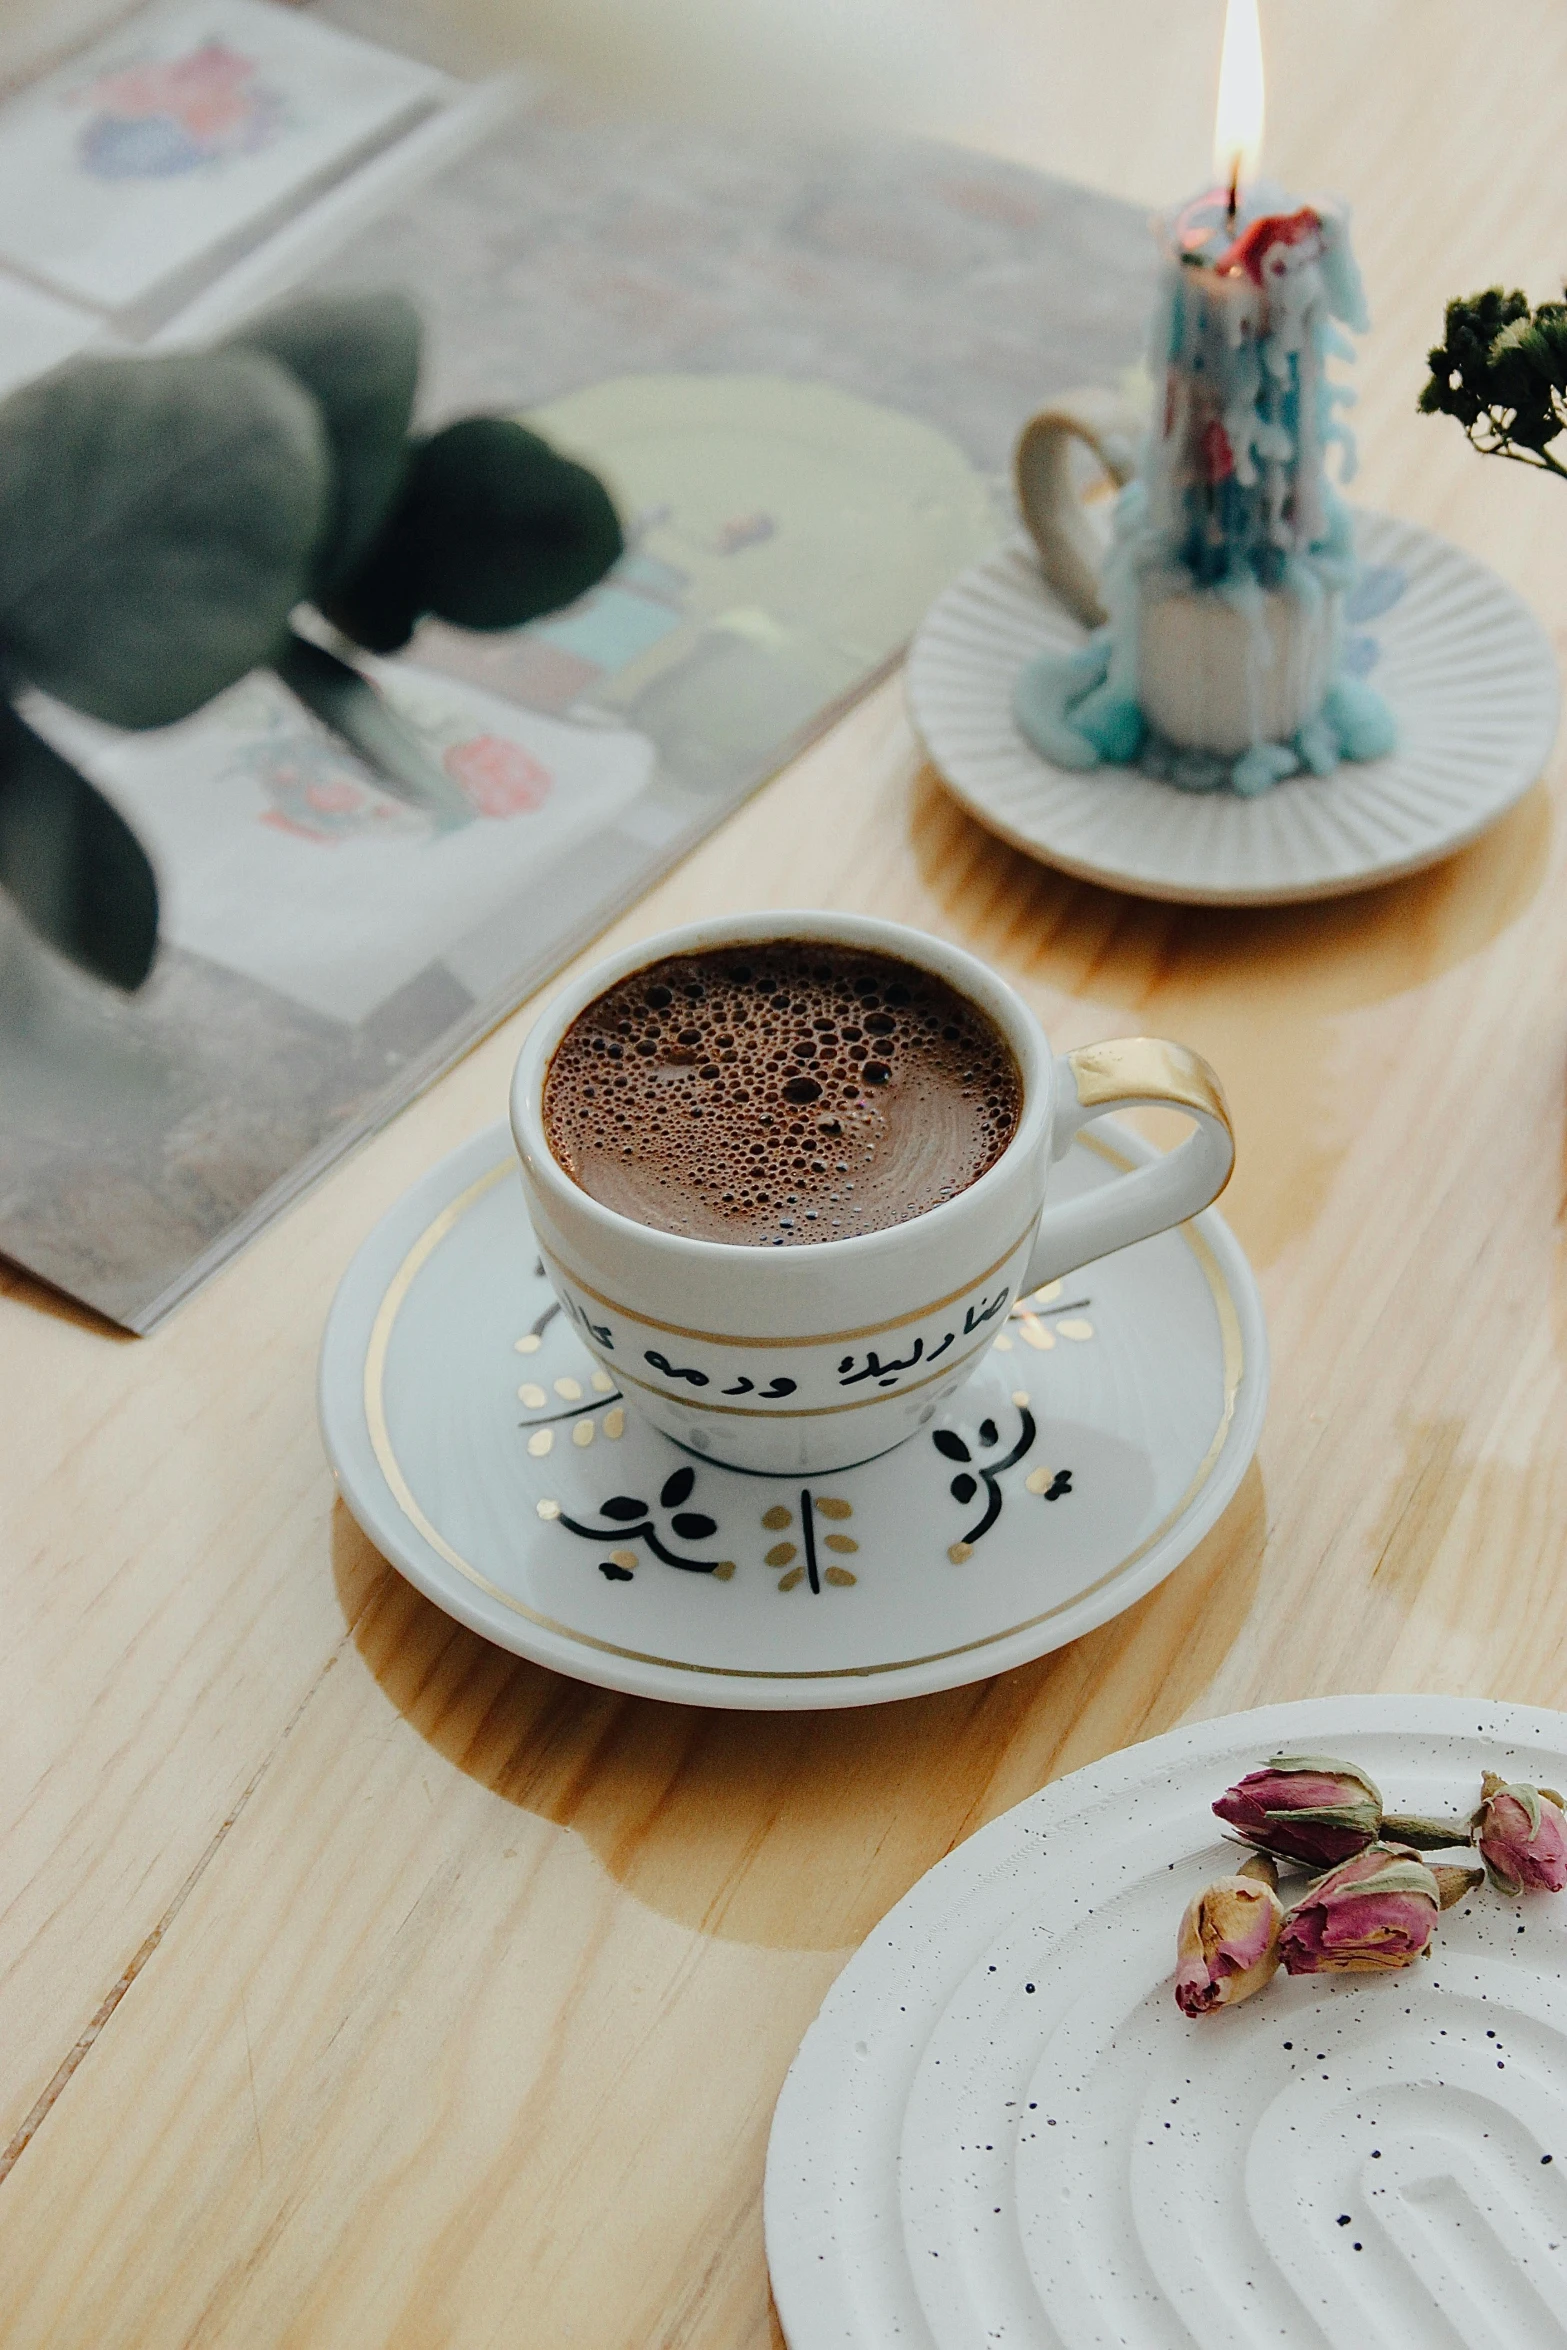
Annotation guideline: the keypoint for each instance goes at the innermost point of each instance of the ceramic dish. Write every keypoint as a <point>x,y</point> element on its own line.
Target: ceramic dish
<point>1466,666</point>
<point>496,1465</point>
<point>1000,2130</point>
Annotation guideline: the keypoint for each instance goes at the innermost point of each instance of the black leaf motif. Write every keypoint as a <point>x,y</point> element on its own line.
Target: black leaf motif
<point>691,1526</point>
<point>964,1488</point>
<point>676,1489</point>
<point>614,1574</point>
<point>621,1505</point>
<point>1060,1483</point>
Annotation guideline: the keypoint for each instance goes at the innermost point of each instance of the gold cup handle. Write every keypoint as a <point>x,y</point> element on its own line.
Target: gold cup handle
<point>1134,1072</point>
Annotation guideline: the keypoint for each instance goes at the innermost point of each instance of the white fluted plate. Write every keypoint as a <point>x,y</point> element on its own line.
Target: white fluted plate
<point>1466,666</point>
<point>1000,2131</point>
<point>499,1467</point>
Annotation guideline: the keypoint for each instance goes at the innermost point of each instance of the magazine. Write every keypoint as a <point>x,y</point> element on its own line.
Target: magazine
<point>801,367</point>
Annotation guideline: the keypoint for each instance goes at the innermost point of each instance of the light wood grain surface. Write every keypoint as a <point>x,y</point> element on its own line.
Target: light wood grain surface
<point>362,1988</point>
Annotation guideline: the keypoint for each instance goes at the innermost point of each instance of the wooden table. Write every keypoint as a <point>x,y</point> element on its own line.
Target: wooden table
<point>362,1986</point>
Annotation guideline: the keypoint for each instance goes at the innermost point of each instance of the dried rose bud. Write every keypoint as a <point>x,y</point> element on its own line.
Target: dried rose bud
<point>1305,1807</point>
<point>1370,1914</point>
<point>1522,1837</point>
<point>1229,1944</point>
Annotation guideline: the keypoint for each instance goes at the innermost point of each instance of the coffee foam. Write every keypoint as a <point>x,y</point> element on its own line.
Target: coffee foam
<point>780,1094</point>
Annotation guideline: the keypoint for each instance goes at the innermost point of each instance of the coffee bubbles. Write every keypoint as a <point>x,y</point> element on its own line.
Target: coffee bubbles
<point>780,1094</point>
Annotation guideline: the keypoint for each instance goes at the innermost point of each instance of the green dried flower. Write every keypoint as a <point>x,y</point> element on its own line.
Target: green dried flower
<point>1501,370</point>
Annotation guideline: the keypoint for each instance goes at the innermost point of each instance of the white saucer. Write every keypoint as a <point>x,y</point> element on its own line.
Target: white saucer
<point>1467,667</point>
<point>487,1456</point>
<point>1000,2130</point>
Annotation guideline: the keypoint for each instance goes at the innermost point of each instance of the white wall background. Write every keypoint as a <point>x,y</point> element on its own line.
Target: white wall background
<point>1024,77</point>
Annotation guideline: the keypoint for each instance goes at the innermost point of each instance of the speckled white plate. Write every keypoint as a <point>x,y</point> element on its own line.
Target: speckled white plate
<point>488,1456</point>
<point>1467,667</point>
<point>1001,2131</point>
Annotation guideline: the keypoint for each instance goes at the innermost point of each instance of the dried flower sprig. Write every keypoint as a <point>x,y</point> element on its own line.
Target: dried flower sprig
<point>1373,1900</point>
<point>1501,370</point>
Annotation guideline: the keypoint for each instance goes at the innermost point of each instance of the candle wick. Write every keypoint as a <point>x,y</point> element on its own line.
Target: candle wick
<point>1235,192</point>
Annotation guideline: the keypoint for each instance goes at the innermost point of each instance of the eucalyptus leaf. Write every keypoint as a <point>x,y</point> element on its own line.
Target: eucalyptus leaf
<point>358,357</point>
<point>71,862</point>
<point>492,529</point>
<point>157,520</point>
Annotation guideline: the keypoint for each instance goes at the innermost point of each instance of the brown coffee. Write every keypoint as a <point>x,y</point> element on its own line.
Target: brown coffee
<point>776,1094</point>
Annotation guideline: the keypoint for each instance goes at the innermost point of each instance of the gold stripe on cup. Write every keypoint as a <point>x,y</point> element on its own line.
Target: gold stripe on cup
<point>817,1338</point>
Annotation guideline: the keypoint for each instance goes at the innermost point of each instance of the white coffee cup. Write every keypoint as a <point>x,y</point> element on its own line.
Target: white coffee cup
<point>803,1359</point>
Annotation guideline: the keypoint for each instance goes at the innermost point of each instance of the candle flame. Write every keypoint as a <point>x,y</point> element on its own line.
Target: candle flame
<point>1237,129</point>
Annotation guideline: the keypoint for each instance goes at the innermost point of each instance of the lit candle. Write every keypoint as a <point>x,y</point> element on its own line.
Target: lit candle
<point>1225,585</point>
<point>1238,118</point>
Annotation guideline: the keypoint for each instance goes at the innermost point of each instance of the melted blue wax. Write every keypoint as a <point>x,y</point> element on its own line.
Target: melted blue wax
<point>1067,707</point>
<point>1252,383</point>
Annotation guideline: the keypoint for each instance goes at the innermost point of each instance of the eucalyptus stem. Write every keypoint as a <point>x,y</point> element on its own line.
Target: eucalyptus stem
<point>343,698</point>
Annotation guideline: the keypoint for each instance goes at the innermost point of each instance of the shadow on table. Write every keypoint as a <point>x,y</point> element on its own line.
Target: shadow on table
<point>1259,990</point>
<point>794,1830</point>
<point>42,1297</point>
